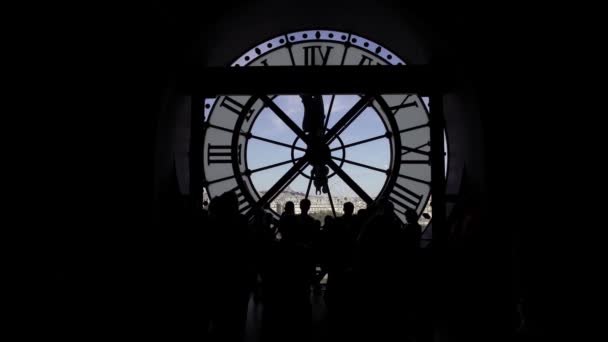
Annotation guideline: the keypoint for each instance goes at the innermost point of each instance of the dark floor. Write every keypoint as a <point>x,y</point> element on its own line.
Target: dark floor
<point>319,319</point>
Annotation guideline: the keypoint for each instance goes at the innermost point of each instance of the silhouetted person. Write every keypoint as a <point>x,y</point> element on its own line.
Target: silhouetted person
<point>287,278</point>
<point>306,225</point>
<point>323,244</point>
<point>328,221</point>
<point>414,283</point>
<point>350,224</point>
<point>340,239</point>
<point>340,242</point>
<point>290,208</point>
<point>300,269</point>
<point>287,221</point>
<point>304,207</point>
<point>304,236</point>
<point>413,231</point>
<point>348,208</point>
<point>382,270</point>
<point>261,228</point>
<point>360,219</point>
<point>263,238</point>
<point>234,274</point>
<point>322,251</point>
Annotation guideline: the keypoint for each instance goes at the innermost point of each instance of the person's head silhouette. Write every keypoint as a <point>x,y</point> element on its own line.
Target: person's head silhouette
<point>411,216</point>
<point>305,206</point>
<point>258,214</point>
<point>231,202</point>
<point>349,208</point>
<point>290,208</point>
<point>385,206</point>
<point>362,213</point>
<point>389,208</point>
<point>215,206</point>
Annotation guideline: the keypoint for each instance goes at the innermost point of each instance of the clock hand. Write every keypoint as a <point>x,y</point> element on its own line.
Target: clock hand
<point>347,119</point>
<point>331,201</point>
<point>282,182</point>
<point>385,135</point>
<point>308,188</point>
<point>350,182</point>
<point>331,104</point>
<point>285,118</point>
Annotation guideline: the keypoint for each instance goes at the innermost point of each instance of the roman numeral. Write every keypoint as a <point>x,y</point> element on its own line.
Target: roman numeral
<point>310,54</point>
<point>232,105</point>
<point>405,198</point>
<point>409,129</point>
<point>236,107</point>
<point>219,154</point>
<point>407,150</point>
<point>395,109</point>
<point>367,61</point>
<point>241,199</point>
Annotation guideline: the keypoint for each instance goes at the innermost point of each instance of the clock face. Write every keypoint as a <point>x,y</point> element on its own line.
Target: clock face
<point>328,148</point>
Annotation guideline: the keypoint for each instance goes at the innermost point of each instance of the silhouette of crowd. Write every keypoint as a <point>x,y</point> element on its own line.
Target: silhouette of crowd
<point>370,260</point>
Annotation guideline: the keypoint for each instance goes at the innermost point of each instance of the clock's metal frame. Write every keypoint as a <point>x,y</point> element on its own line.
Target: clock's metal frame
<point>393,170</point>
<point>318,35</point>
<point>373,80</point>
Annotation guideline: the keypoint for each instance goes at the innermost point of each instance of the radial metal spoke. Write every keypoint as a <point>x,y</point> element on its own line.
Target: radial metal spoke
<point>220,179</point>
<point>282,182</point>
<point>359,142</point>
<point>220,128</point>
<point>415,150</point>
<point>347,119</point>
<point>359,164</point>
<point>395,109</point>
<point>331,104</point>
<point>308,188</point>
<point>331,201</point>
<point>253,136</point>
<point>413,128</point>
<point>285,118</point>
<point>276,142</point>
<point>415,179</point>
<point>350,182</point>
<point>274,165</point>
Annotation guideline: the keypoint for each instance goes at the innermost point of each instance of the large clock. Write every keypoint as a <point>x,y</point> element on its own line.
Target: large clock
<point>325,147</point>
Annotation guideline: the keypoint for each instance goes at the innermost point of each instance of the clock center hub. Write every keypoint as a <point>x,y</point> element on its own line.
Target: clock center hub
<point>318,153</point>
